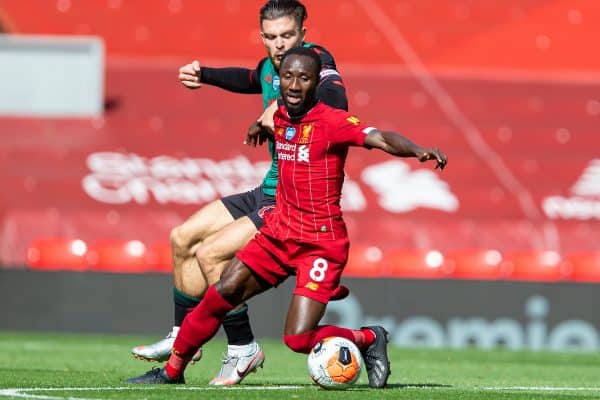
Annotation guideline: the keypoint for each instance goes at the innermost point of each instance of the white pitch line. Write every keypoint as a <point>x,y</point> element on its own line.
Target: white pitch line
<point>24,393</point>
<point>546,388</point>
<point>19,393</point>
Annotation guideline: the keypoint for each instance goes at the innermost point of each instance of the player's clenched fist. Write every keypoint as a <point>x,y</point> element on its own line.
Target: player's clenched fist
<point>189,75</point>
<point>433,154</point>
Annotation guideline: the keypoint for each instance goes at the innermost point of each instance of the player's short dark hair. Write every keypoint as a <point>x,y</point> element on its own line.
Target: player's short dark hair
<point>274,9</point>
<point>304,51</point>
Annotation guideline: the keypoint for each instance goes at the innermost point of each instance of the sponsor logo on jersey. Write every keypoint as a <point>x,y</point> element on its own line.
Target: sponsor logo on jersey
<point>306,132</point>
<point>312,286</point>
<point>303,153</point>
<point>276,83</point>
<point>353,120</point>
<point>290,132</point>
<point>286,151</point>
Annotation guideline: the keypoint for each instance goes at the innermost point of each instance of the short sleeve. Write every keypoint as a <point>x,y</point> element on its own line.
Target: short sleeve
<point>347,129</point>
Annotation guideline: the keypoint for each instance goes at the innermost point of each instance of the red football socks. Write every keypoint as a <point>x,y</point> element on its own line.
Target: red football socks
<point>176,365</point>
<point>198,328</point>
<point>363,338</point>
<point>304,342</point>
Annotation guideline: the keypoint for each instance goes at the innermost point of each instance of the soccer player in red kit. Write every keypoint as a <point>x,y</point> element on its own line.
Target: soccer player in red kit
<point>305,235</point>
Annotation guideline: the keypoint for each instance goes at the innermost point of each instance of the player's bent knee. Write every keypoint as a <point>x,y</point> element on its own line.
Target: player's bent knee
<point>301,343</point>
<point>208,265</point>
<point>177,239</point>
<point>205,258</point>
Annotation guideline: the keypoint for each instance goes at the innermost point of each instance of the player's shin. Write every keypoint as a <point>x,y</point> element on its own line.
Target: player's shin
<point>304,342</point>
<point>237,327</point>
<point>198,328</point>
<point>361,337</point>
<point>183,305</point>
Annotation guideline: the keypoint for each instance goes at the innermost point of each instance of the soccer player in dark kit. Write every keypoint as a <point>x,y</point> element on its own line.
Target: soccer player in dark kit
<point>305,234</point>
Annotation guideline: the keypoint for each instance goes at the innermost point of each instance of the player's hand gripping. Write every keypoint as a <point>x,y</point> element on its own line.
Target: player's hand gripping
<point>266,119</point>
<point>257,134</point>
<point>189,75</point>
<point>433,154</point>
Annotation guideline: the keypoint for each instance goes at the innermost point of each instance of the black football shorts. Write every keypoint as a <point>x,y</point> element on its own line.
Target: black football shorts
<point>253,204</point>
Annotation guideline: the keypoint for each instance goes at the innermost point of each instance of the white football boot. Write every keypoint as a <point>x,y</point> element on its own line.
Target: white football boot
<point>239,362</point>
<point>161,350</point>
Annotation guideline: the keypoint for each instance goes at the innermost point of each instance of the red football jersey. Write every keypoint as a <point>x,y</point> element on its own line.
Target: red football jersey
<point>311,155</point>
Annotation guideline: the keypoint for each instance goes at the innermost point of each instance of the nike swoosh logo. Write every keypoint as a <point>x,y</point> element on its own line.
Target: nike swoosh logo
<point>243,372</point>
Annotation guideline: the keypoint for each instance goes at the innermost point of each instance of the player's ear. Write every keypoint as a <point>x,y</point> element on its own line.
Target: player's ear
<point>302,33</point>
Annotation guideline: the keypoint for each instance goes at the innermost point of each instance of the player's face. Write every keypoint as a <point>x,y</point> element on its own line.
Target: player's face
<point>279,35</point>
<point>299,78</point>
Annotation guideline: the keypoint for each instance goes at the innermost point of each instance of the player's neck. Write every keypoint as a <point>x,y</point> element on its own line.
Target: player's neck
<point>299,114</point>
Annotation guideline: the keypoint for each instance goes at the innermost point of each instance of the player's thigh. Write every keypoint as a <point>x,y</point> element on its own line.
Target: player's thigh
<point>303,315</point>
<point>209,219</point>
<point>239,283</point>
<point>223,244</point>
<point>319,269</point>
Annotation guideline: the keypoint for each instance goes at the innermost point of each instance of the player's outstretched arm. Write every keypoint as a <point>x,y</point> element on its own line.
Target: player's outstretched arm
<point>233,79</point>
<point>189,75</point>
<point>400,146</point>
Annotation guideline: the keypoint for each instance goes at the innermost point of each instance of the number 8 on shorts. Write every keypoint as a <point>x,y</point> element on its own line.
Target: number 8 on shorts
<point>317,272</point>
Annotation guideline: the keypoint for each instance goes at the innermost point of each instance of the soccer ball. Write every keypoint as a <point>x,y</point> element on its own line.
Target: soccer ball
<point>334,363</point>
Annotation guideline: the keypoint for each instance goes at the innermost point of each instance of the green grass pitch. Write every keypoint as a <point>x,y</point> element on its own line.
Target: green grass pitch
<point>61,366</point>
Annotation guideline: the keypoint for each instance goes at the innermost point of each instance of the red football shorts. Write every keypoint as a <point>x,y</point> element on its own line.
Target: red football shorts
<point>318,266</point>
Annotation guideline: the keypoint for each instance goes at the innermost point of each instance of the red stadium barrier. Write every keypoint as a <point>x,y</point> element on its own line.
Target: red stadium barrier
<point>421,264</point>
<point>160,257</point>
<point>542,266</point>
<point>364,261</point>
<point>584,267</point>
<point>118,256</point>
<point>57,254</point>
<point>482,264</point>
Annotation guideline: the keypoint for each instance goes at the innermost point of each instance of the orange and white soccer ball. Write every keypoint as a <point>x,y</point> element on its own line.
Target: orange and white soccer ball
<point>335,363</point>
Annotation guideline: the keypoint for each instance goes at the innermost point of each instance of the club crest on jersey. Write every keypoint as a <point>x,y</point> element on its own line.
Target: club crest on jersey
<point>306,132</point>
<point>276,83</point>
<point>279,131</point>
<point>353,120</point>
<point>290,132</point>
